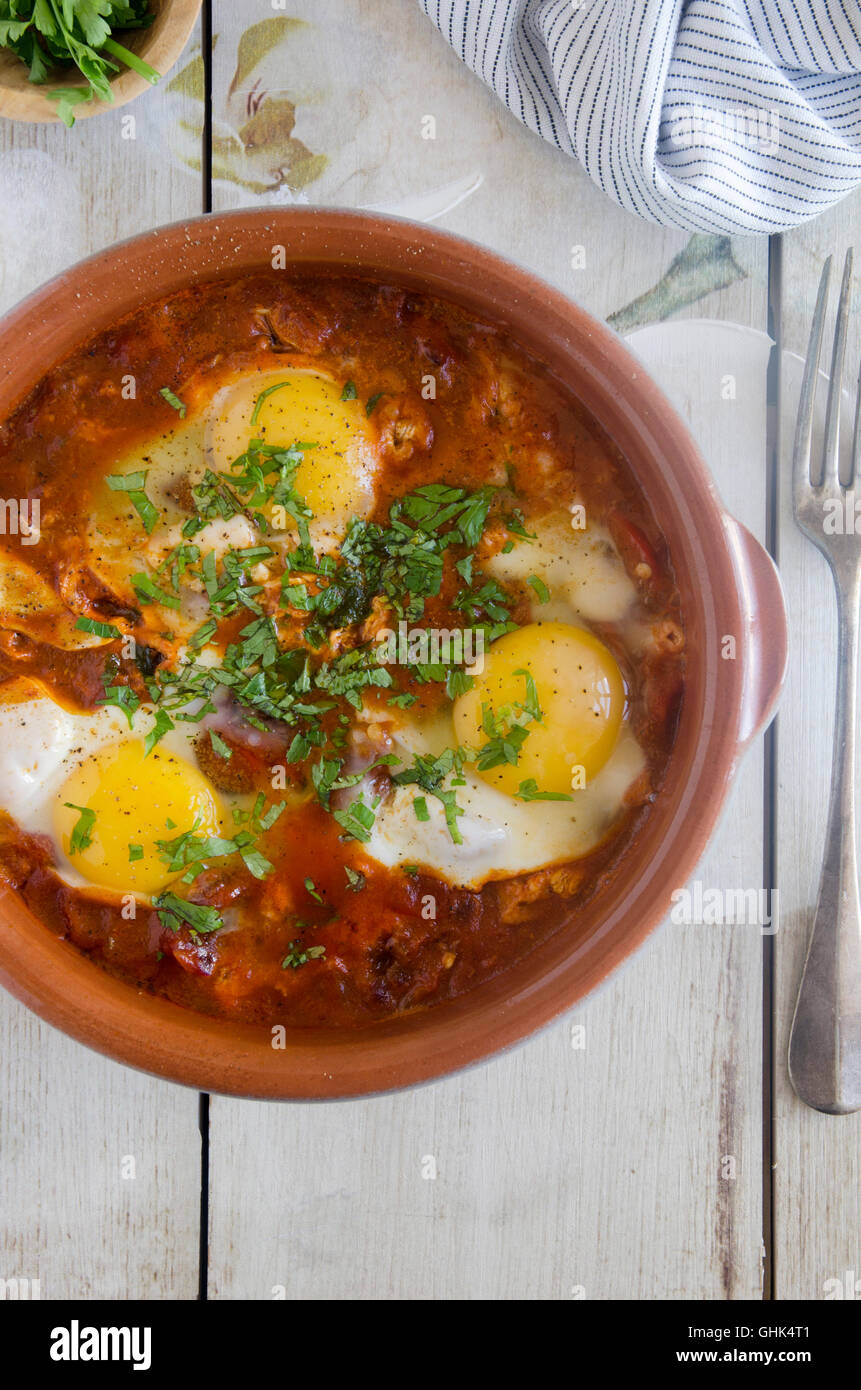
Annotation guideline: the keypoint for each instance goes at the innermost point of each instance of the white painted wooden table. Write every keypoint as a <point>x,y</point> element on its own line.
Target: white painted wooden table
<point>668,1157</point>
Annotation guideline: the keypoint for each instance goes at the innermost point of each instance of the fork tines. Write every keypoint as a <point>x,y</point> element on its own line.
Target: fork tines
<point>822,476</point>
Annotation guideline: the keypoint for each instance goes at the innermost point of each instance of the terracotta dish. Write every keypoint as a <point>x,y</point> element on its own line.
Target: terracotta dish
<point>727,584</point>
<point>160,45</point>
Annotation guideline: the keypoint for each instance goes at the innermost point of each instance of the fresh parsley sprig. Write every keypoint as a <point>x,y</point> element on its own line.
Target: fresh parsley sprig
<point>49,35</point>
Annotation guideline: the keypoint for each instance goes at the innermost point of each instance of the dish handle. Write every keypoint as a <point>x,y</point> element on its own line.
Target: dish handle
<point>765,633</point>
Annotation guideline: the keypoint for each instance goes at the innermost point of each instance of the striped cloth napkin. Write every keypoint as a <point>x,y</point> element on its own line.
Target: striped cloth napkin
<point>710,115</point>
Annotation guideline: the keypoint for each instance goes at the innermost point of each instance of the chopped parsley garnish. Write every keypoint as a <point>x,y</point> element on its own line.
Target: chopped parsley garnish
<point>194,853</point>
<point>175,912</point>
<point>174,401</point>
<point>202,635</point>
<point>96,628</point>
<point>540,588</point>
<point>123,697</point>
<point>371,404</point>
<point>508,728</point>
<point>311,889</point>
<point>349,391</point>
<point>163,725</point>
<point>82,831</point>
<point>528,791</point>
<point>355,879</point>
<point>464,568</point>
<point>284,666</point>
<point>266,822</point>
<point>215,499</point>
<point>256,863</point>
<point>219,747</point>
<point>298,955</point>
<point>515,524</point>
<point>264,395</point>
<point>457,683</point>
<point>149,592</point>
<point>428,773</point>
<point>133,484</point>
<point>177,561</point>
<point>488,605</point>
<point>356,820</point>
<point>403,563</point>
<point>406,559</point>
<point>530,700</point>
<point>135,853</point>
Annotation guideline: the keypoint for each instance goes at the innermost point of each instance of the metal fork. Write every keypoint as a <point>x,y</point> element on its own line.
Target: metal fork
<point>825,1040</point>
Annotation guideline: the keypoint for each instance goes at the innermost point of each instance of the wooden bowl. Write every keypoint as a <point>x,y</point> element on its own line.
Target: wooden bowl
<point>160,45</point>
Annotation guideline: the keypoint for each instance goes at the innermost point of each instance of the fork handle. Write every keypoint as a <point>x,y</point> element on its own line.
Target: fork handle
<point>825,1040</point>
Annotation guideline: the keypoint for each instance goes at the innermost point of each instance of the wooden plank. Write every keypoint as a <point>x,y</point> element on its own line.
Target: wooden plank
<point>817,1157</point>
<point>560,1172</point>
<point>101,1166</point>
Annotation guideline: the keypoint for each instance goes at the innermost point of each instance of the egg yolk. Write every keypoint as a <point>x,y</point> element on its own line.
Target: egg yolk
<point>300,407</point>
<point>581,696</point>
<point>136,801</point>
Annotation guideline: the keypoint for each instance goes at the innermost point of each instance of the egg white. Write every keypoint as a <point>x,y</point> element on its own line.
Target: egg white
<point>584,572</point>
<point>41,744</point>
<point>501,835</point>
